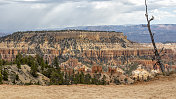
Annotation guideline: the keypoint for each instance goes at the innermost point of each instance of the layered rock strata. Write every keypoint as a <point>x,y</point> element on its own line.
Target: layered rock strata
<point>90,45</point>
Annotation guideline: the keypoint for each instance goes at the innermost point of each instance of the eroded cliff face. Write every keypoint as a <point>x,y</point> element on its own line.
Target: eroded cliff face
<point>87,46</point>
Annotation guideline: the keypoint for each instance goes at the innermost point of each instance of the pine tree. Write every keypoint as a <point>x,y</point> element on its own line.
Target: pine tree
<point>81,78</point>
<point>54,78</point>
<point>56,63</point>
<point>103,80</point>
<point>0,77</point>
<point>41,62</point>
<point>76,78</point>
<point>18,64</point>
<point>87,79</point>
<point>1,72</point>
<point>17,77</point>
<point>5,75</point>
<point>34,69</point>
<point>66,80</point>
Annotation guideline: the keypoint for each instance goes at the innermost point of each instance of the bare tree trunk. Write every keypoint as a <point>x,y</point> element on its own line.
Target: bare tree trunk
<point>157,54</point>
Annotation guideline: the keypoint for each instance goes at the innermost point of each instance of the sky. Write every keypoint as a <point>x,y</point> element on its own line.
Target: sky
<point>22,15</point>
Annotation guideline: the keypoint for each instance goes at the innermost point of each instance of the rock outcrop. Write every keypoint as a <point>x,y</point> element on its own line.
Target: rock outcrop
<point>88,46</point>
<point>82,51</point>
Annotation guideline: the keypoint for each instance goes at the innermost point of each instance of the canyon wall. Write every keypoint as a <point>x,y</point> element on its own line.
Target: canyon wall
<point>89,46</point>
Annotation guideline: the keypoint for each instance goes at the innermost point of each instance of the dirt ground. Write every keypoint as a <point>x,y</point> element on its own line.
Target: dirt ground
<point>160,88</point>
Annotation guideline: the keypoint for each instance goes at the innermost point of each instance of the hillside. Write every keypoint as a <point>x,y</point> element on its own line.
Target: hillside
<point>37,52</point>
<point>99,56</point>
<point>75,43</point>
<point>88,47</point>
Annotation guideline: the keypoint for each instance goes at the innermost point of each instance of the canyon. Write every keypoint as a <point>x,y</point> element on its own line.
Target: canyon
<point>90,47</point>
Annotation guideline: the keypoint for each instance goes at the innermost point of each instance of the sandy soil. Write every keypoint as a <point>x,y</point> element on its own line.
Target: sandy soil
<point>160,88</point>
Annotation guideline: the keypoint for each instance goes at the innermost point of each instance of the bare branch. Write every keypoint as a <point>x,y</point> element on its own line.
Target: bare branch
<point>157,54</point>
<point>151,19</point>
<point>161,50</point>
<point>153,58</point>
<point>154,66</point>
<point>163,54</point>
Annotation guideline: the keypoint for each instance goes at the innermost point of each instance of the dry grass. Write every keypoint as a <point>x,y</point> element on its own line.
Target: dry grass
<point>159,88</point>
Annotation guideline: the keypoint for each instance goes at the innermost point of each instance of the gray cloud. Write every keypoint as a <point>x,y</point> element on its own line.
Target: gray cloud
<point>49,1</point>
<point>41,14</point>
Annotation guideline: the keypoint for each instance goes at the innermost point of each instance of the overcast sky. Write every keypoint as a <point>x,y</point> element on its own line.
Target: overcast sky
<point>16,15</point>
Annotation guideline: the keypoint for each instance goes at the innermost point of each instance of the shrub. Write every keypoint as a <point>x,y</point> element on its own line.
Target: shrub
<point>116,81</point>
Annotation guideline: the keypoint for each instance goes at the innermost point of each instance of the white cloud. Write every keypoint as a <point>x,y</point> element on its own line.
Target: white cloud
<point>32,14</point>
<point>166,3</point>
<point>136,2</point>
<point>100,5</point>
<point>161,15</point>
<point>38,6</point>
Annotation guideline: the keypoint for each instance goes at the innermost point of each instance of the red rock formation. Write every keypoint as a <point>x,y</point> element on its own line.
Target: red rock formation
<point>110,54</point>
<point>10,54</point>
<point>91,44</point>
<point>144,62</point>
<point>81,70</point>
<point>96,69</point>
<point>112,70</point>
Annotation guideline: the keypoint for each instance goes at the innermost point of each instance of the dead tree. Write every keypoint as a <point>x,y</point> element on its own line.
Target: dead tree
<point>157,56</point>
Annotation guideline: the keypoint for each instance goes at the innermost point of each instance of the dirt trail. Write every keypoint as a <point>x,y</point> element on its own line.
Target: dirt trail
<point>162,88</point>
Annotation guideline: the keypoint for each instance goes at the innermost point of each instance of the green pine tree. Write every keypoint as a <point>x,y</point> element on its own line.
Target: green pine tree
<point>34,69</point>
<point>0,77</point>
<point>5,75</point>
<point>103,82</point>
<point>18,64</point>
<point>56,63</point>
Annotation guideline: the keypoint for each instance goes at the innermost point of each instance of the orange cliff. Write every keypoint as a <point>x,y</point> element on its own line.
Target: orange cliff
<point>107,45</point>
<point>10,54</point>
